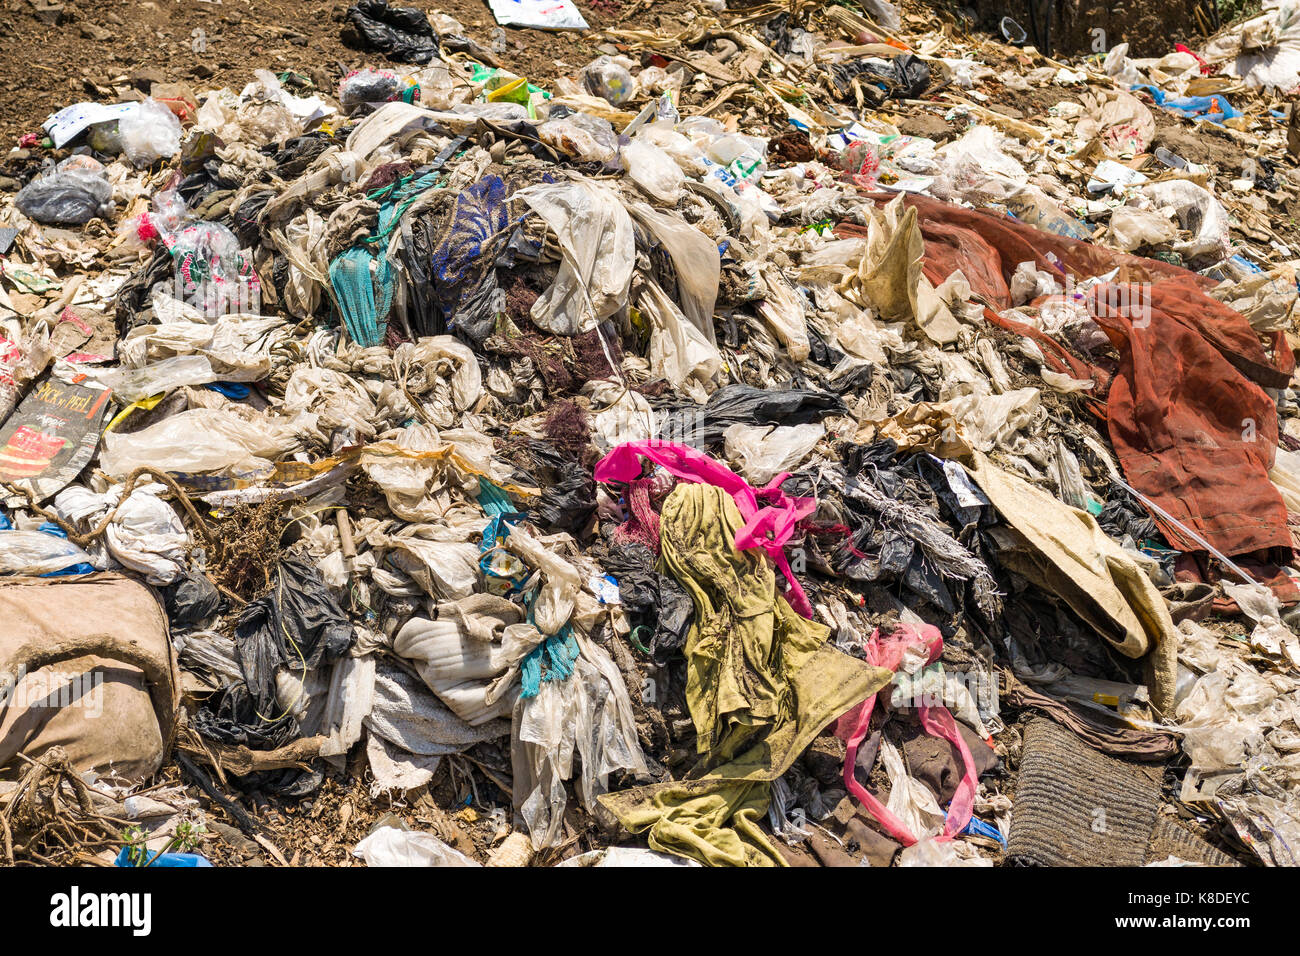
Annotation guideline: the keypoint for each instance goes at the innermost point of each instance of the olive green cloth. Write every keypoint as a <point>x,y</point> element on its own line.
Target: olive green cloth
<point>761,684</point>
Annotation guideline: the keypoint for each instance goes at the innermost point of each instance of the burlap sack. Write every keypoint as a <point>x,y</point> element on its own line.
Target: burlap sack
<point>86,664</point>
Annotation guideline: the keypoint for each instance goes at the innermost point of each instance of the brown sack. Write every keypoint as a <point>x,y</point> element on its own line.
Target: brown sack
<point>86,664</point>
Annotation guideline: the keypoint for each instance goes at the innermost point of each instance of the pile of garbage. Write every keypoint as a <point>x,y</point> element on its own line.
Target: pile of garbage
<point>681,461</point>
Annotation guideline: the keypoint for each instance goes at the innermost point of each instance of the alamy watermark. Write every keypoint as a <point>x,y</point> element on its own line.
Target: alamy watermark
<point>54,690</point>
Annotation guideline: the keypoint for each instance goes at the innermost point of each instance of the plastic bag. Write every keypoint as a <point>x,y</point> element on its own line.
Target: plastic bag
<point>587,716</point>
<point>470,657</point>
<point>609,80</point>
<point>148,133</point>
<point>688,156</point>
<point>199,440</point>
<point>598,248</point>
<point>368,86</point>
<point>654,171</point>
<point>1131,228</point>
<point>976,169</point>
<point>212,272</point>
<point>135,384</point>
<point>391,846</point>
<point>884,13</point>
<point>1028,283</point>
<point>588,139</point>
<point>74,192</point>
<point>744,156</point>
<point>145,534</point>
<point>945,853</point>
<point>764,451</point>
<point>1031,205</point>
<point>39,553</point>
<point>1197,209</point>
<point>403,34</point>
<point>20,362</point>
<point>679,352</point>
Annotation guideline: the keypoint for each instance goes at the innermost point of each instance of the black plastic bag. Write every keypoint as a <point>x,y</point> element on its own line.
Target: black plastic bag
<point>298,625</point>
<point>904,77</point>
<point>744,404</point>
<point>655,603</point>
<point>401,33</point>
<point>191,599</point>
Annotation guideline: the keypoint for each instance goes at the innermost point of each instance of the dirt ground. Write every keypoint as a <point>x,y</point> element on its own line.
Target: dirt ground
<point>54,57</point>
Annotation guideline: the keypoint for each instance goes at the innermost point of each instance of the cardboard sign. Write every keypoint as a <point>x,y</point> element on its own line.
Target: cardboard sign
<point>51,436</point>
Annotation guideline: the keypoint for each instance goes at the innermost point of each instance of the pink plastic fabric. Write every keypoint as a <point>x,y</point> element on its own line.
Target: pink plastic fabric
<point>767,526</point>
<point>887,651</point>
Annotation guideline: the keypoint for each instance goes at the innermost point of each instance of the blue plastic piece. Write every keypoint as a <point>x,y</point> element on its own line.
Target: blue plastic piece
<point>232,390</point>
<point>164,859</point>
<point>977,827</point>
<point>1214,108</point>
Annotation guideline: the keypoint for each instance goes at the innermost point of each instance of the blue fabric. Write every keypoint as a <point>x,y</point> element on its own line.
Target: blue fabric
<point>460,260</point>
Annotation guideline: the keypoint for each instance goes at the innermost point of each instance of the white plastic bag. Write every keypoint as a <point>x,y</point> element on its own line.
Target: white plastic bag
<point>599,251</point>
<point>763,451</point>
<point>391,846</point>
<point>36,553</point>
<point>1197,209</point>
<point>145,535</point>
<point>654,171</point>
<point>931,852</point>
<point>1130,228</point>
<point>199,440</point>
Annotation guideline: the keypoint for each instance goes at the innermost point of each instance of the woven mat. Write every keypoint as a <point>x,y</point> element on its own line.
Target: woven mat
<point>1077,807</point>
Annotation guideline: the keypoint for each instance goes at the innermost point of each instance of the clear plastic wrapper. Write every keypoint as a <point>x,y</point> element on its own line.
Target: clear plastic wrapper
<point>609,80</point>
<point>149,132</point>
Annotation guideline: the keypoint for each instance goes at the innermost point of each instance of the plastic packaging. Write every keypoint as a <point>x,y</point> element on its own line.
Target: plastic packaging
<point>744,156</point>
<point>145,534</point>
<point>1028,283</point>
<point>655,79</point>
<point>654,171</point>
<point>609,80</point>
<point>976,169</point>
<point>136,384</point>
<point>390,846</point>
<point>764,451</point>
<point>1031,205</point>
<point>368,86</point>
<point>20,362</point>
<point>945,853</point>
<point>74,192</point>
<point>198,440</point>
<point>212,272</point>
<point>596,238</point>
<point>38,553</point>
<point>148,133</point>
<point>1131,228</point>
<point>588,139</point>
<point>1198,210</point>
